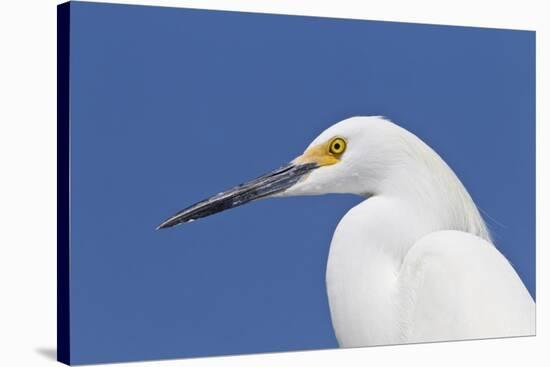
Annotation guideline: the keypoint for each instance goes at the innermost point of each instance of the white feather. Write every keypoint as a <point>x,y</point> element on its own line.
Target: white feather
<point>413,262</point>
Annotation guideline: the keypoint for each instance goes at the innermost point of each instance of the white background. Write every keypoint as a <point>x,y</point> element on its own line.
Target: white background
<point>28,181</point>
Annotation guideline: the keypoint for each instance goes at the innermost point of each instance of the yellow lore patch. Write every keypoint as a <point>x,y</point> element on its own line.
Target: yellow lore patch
<point>325,154</point>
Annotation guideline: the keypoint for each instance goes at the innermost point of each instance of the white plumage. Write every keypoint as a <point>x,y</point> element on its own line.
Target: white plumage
<point>413,262</point>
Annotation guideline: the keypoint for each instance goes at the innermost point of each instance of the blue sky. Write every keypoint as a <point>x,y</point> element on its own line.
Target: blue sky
<point>169,106</point>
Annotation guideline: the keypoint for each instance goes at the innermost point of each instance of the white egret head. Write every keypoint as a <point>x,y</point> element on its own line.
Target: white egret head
<point>363,156</point>
<point>354,156</point>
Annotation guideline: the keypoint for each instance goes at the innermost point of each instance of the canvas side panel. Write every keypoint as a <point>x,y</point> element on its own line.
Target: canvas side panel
<point>63,184</point>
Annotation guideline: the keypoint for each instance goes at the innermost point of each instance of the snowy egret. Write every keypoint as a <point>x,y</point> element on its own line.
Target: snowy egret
<point>413,262</point>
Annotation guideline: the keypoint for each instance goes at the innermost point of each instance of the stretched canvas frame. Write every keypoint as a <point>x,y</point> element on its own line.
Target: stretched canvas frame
<point>161,107</point>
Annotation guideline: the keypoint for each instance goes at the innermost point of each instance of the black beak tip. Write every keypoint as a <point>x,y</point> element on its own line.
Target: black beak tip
<point>172,222</point>
<point>166,224</point>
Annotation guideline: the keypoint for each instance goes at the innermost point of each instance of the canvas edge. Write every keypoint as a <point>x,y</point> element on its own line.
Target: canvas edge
<point>63,184</point>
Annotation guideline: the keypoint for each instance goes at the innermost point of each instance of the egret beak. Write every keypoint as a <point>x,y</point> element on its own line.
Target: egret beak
<point>261,187</point>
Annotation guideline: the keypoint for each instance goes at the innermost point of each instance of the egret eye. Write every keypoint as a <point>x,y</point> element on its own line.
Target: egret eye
<point>337,146</point>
